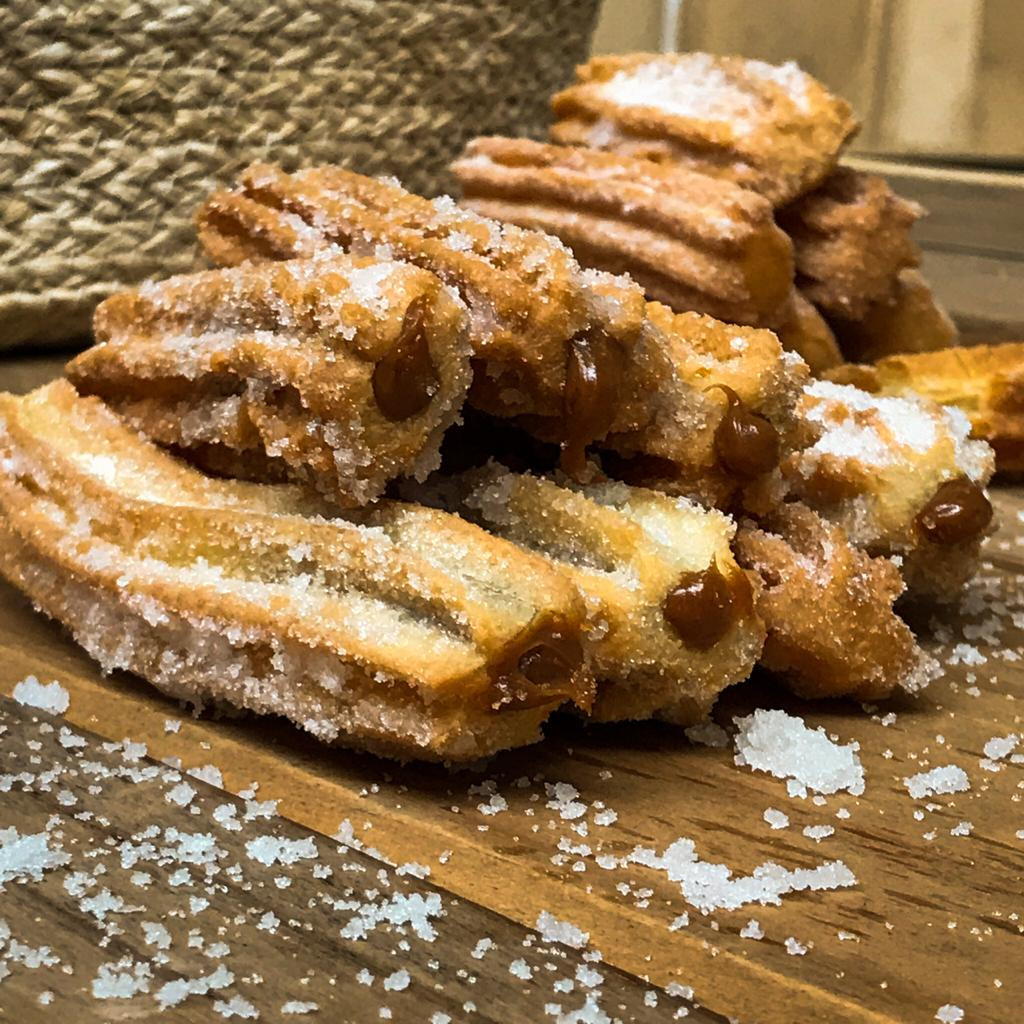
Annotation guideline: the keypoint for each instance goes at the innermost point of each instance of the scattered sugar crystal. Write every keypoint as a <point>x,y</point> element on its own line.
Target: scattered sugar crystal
<point>818,832</point>
<point>268,922</point>
<point>964,828</point>
<point>172,724</point>
<point>121,980</point>
<point>847,936</point>
<point>294,1006</point>
<point>276,850</point>
<point>682,921</point>
<point>172,993</point>
<point>673,988</point>
<point>414,910</point>
<point>495,805</point>
<point>180,794</point>
<point>948,778</point>
<point>966,654</point>
<point>440,1018</point>
<point>794,948</point>
<point>481,948</point>
<point>156,934</point>
<point>1000,747</point>
<point>51,697</point>
<point>259,809</point>
<point>520,969</point>
<point>104,903</point>
<point>949,1014</point>
<point>776,818</point>
<point>563,799</point>
<point>364,977</point>
<point>707,734</point>
<point>31,957</point>
<point>752,930</point>
<point>782,745</point>
<point>25,857</point>
<point>413,870</point>
<point>551,929</point>
<point>236,1006</point>
<point>224,815</point>
<point>69,739</point>
<point>707,886</point>
<point>397,982</point>
<point>207,773</point>
<point>606,817</point>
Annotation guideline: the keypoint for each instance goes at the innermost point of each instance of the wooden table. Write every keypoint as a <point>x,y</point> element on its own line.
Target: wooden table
<point>935,920</point>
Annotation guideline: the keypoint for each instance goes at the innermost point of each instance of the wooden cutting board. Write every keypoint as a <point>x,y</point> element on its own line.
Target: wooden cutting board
<point>935,918</point>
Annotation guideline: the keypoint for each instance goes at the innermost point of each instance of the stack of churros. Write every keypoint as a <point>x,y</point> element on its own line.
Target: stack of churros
<point>278,485</point>
<point>714,183</point>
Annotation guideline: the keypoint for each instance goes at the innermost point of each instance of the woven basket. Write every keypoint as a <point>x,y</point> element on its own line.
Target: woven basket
<point>118,116</point>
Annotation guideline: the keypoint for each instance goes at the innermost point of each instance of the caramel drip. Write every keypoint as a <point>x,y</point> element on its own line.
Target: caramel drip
<point>545,672</point>
<point>957,511</point>
<point>405,380</point>
<point>593,375</point>
<point>746,443</point>
<point>704,605</point>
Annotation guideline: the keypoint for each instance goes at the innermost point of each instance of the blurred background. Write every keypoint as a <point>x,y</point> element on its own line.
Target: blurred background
<point>933,79</point>
<point>937,85</point>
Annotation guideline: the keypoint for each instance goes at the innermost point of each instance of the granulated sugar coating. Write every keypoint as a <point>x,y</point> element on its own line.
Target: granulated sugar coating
<point>780,744</point>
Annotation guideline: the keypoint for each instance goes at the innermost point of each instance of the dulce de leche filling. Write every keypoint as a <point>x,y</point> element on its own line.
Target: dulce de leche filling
<point>544,670</point>
<point>957,511</point>
<point>746,443</point>
<point>703,606</point>
<point>593,375</point>
<point>405,380</point>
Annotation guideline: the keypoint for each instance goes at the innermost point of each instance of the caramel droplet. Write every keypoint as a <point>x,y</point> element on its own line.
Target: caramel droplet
<point>958,511</point>
<point>405,380</point>
<point>593,373</point>
<point>704,605</point>
<point>545,672</point>
<point>553,662</point>
<point>747,445</point>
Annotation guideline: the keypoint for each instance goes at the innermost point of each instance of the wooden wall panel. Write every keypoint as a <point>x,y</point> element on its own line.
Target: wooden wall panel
<point>627,25</point>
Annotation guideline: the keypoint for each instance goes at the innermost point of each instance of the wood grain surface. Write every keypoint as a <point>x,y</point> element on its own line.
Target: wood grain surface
<point>936,917</point>
<point>229,910</point>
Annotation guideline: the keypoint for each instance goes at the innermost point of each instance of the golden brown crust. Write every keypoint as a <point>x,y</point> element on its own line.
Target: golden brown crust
<point>771,128</point>
<point>294,363</point>
<point>851,236</point>
<point>802,329</point>
<point>875,464</point>
<point>671,614</point>
<point>828,607</point>
<point>692,241</point>
<point>680,450</point>
<point>531,305</point>
<point>986,382</point>
<point>404,628</point>
<point>912,320</point>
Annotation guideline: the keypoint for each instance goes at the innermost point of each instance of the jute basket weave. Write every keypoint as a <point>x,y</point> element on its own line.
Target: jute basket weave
<point>118,116</point>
